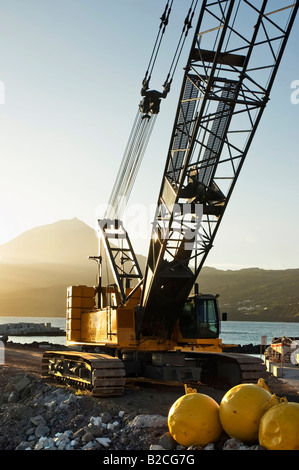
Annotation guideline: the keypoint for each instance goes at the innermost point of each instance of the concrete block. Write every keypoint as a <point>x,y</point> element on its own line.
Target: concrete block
<point>277,371</point>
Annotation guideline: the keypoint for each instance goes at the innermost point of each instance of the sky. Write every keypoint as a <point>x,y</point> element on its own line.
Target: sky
<point>70,80</point>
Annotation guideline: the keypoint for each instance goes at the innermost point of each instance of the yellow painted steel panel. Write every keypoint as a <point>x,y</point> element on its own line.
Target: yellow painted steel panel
<point>73,324</point>
<point>76,312</point>
<point>99,326</point>
<point>80,302</point>
<point>73,335</point>
<point>81,291</point>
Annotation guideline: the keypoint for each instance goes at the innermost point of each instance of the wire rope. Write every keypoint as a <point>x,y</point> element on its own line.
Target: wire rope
<point>185,30</point>
<point>164,22</point>
<point>135,150</point>
<point>144,123</point>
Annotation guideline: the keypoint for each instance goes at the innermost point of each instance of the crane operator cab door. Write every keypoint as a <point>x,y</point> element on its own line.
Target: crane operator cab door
<point>200,318</point>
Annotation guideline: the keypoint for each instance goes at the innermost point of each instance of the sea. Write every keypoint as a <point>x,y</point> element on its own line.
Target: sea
<point>232,332</point>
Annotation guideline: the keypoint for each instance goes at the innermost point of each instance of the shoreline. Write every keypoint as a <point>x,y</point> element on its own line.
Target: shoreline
<point>36,334</point>
<point>245,349</point>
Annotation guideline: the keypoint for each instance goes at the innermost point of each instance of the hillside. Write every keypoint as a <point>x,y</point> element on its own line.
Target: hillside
<point>63,242</point>
<point>255,294</point>
<point>37,266</point>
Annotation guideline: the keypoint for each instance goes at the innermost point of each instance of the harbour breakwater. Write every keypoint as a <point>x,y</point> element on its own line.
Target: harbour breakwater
<point>30,329</point>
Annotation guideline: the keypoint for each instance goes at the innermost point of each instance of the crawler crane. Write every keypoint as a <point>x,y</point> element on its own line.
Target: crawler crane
<point>161,327</point>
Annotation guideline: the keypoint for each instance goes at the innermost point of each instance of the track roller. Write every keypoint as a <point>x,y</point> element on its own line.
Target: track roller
<point>104,374</point>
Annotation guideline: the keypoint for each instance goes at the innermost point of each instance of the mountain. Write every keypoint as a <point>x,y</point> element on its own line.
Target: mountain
<point>63,242</point>
<point>37,266</point>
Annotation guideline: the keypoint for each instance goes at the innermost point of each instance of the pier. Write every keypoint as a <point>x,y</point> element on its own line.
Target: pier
<point>30,329</point>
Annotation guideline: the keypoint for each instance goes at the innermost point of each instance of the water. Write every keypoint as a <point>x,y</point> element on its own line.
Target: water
<point>58,322</point>
<point>232,332</point>
<point>247,332</point>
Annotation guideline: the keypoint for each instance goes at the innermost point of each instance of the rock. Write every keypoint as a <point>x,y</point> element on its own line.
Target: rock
<point>79,433</point>
<point>30,431</point>
<point>167,441</point>
<point>96,421</point>
<point>210,446</point>
<point>42,430</point>
<point>148,421</point>
<point>71,399</point>
<point>156,447</point>
<point>36,420</point>
<point>88,446</point>
<point>61,441</point>
<point>87,437</point>
<point>23,445</point>
<point>106,417</point>
<point>39,445</point>
<point>195,447</point>
<point>97,431</point>
<point>104,441</point>
<point>22,384</point>
<point>49,445</point>
<point>124,440</point>
<point>51,404</point>
<point>234,444</point>
<point>13,397</point>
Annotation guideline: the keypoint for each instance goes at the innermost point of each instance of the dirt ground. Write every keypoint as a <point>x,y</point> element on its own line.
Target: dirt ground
<point>145,397</point>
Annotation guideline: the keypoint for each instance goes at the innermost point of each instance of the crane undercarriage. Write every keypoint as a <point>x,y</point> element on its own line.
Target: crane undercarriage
<point>106,375</point>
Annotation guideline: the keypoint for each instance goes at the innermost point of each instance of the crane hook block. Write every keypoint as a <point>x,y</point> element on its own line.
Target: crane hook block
<point>152,98</point>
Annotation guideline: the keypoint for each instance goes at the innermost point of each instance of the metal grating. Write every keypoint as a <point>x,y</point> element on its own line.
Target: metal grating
<point>183,131</point>
<point>218,131</point>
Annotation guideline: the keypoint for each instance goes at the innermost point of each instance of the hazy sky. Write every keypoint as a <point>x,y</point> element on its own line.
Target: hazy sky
<point>72,71</point>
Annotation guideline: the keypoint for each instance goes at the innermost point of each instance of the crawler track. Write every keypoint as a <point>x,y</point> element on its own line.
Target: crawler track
<point>232,368</point>
<point>251,368</point>
<point>104,374</point>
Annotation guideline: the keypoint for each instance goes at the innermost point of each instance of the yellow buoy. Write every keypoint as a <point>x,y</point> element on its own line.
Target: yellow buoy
<point>241,410</point>
<point>279,427</point>
<point>193,419</point>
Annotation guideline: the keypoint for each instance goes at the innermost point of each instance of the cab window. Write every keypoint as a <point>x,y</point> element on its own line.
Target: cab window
<point>199,319</point>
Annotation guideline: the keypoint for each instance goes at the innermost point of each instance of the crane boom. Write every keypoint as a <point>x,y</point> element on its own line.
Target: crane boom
<point>223,96</point>
<point>157,329</point>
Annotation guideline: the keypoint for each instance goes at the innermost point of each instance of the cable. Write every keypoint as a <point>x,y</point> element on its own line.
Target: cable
<point>146,117</point>
<point>187,26</point>
<point>131,161</point>
<point>164,22</point>
<point>118,188</point>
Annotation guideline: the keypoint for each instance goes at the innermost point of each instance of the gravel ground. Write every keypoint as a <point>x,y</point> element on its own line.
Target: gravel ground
<point>41,415</point>
<point>36,415</point>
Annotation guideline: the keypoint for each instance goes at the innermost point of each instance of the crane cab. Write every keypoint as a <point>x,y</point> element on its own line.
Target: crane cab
<point>200,317</point>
